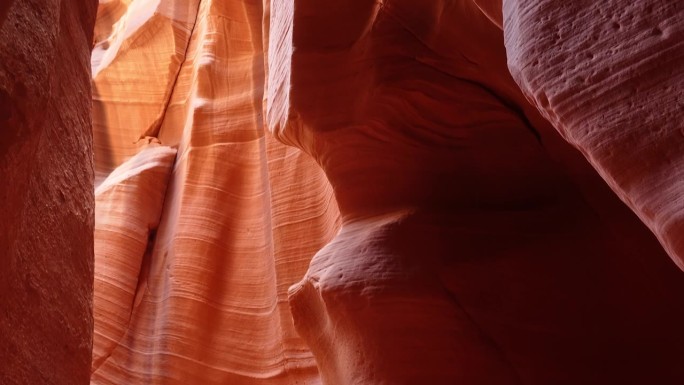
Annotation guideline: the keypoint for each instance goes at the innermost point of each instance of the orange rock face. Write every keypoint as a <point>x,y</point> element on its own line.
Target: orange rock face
<point>473,244</point>
<point>46,197</point>
<point>129,204</point>
<point>203,219</point>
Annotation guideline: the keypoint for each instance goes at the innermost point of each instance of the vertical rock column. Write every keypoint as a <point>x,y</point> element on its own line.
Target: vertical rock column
<point>46,192</point>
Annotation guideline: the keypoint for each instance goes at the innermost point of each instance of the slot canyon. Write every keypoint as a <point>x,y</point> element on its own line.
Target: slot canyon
<point>341,192</point>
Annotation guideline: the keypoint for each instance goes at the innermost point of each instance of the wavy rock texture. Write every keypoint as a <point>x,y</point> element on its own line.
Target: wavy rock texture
<point>620,98</point>
<point>203,299</point>
<point>476,247</point>
<point>137,43</point>
<point>128,208</point>
<point>46,198</point>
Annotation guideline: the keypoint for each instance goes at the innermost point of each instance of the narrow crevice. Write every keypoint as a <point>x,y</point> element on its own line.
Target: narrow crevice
<point>156,128</point>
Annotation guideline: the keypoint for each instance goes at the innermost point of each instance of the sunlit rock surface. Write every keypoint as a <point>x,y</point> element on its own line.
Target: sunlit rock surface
<point>475,244</point>
<point>128,209</point>
<point>46,197</point>
<point>196,250</point>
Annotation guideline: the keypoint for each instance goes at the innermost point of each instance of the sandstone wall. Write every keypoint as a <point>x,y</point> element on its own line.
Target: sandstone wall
<point>476,245</point>
<point>610,77</point>
<point>195,251</point>
<point>46,192</point>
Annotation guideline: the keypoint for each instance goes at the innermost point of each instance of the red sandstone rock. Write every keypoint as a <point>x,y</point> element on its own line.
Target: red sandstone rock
<point>610,77</point>
<point>46,197</point>
<point>139,48</point>
<point>241,217</point>
<point>128,208</point>
<point>476,247</point>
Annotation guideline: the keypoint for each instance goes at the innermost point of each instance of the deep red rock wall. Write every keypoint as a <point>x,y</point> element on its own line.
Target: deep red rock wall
<point>476,246</point>
<point>46,192</point>
<point>610,77</point>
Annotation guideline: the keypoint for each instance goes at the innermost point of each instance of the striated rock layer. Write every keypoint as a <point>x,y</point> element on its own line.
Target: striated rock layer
<point>46,197</point>
<point>475,244</point>
<point>129,204</point>
<point>195,251</point>
<point>620,98</point>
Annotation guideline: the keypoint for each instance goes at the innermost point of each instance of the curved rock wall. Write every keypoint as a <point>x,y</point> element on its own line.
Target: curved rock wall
<point>609,77</point>
<point>46,197</point>
<point>476,247</point>
<point>192,275</point>
<point>475,244</point>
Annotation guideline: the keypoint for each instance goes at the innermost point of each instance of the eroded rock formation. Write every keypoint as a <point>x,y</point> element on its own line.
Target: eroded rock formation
<point>610,77</point>
<point>46,197</point>
<point>473,244</point>
<point>192,275</point>
<point>475,247</point>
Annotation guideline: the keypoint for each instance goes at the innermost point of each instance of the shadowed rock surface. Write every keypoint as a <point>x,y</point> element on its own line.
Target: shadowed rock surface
<point>357,192</point>
<point>46,192</point>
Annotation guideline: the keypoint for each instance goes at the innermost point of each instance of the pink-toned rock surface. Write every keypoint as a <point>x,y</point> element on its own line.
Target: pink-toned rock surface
<point>475,244</point>
<point>610,77</point>
<point>476,247</point>
<point>46,197</point>
<point>203,300</point>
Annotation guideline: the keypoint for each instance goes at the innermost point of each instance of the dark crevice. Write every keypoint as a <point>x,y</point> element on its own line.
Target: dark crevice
<point>489,340</point>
